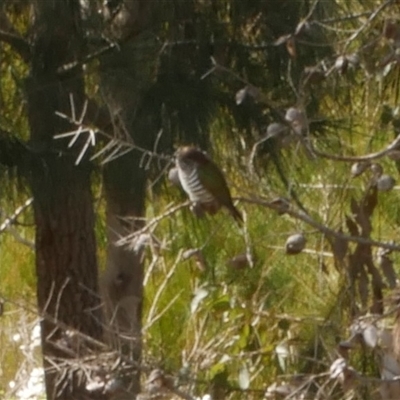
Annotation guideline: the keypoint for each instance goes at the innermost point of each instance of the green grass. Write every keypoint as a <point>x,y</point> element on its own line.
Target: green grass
<point>302,301</point>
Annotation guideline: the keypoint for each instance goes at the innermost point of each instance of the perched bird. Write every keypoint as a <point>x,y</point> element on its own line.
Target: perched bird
<point>204,182</point>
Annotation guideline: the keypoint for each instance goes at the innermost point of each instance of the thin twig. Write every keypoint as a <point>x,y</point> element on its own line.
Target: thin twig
<point>127,240</point>
<point>162,312</point>
<point>160,290</point>
<point>373,15</point>
<point>366,157</point>
<point>320,227</point>
<point>117,147</point>
<point>10,220</point>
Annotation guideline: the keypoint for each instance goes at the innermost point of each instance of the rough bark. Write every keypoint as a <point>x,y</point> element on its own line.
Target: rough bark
<point>66,265</point>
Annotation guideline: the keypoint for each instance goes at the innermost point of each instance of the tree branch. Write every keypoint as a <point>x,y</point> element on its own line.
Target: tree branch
<point>11,219</point>
<point>283,206</point>
<point>367,157</point>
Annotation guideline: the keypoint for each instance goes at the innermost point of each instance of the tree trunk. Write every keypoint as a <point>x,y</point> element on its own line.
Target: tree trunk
<point>124,75</point>
<point>66,265</point>
<point>122,281</point>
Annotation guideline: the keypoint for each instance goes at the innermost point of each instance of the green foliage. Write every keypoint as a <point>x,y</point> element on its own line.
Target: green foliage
<point>272,315</point>
<point>302,300</point>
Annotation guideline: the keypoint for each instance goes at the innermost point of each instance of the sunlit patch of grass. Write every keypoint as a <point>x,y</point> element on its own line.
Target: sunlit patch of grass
<point>16,265</point>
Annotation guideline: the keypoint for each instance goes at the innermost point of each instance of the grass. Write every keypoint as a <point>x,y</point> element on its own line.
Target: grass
<point>207,321</point>
<point>295,301</point>
<point>302,300</point>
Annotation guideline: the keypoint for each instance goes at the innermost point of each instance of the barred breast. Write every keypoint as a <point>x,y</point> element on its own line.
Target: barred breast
<point>192,186</point>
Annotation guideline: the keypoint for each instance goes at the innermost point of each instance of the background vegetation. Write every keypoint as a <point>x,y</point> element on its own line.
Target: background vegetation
<point>228,310</point>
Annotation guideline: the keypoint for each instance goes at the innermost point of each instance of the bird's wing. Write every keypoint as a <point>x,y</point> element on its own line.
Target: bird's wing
<point>214,181</point>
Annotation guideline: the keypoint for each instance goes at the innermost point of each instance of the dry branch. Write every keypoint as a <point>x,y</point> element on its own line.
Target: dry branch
<point>283,207</point>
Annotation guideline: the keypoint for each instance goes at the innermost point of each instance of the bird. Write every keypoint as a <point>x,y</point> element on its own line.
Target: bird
<point>204,182</point>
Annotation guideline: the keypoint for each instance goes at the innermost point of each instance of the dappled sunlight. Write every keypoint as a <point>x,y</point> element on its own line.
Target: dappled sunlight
<point>204,200</point>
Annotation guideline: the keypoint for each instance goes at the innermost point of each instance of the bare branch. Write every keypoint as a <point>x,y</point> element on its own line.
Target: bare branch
<point>307,144</point>
<point>284,207</point>
<point>151,225</point>
<point>366,157</point>
<point>151,316</point>
<point>116,147</point>
<point>10,220</point>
